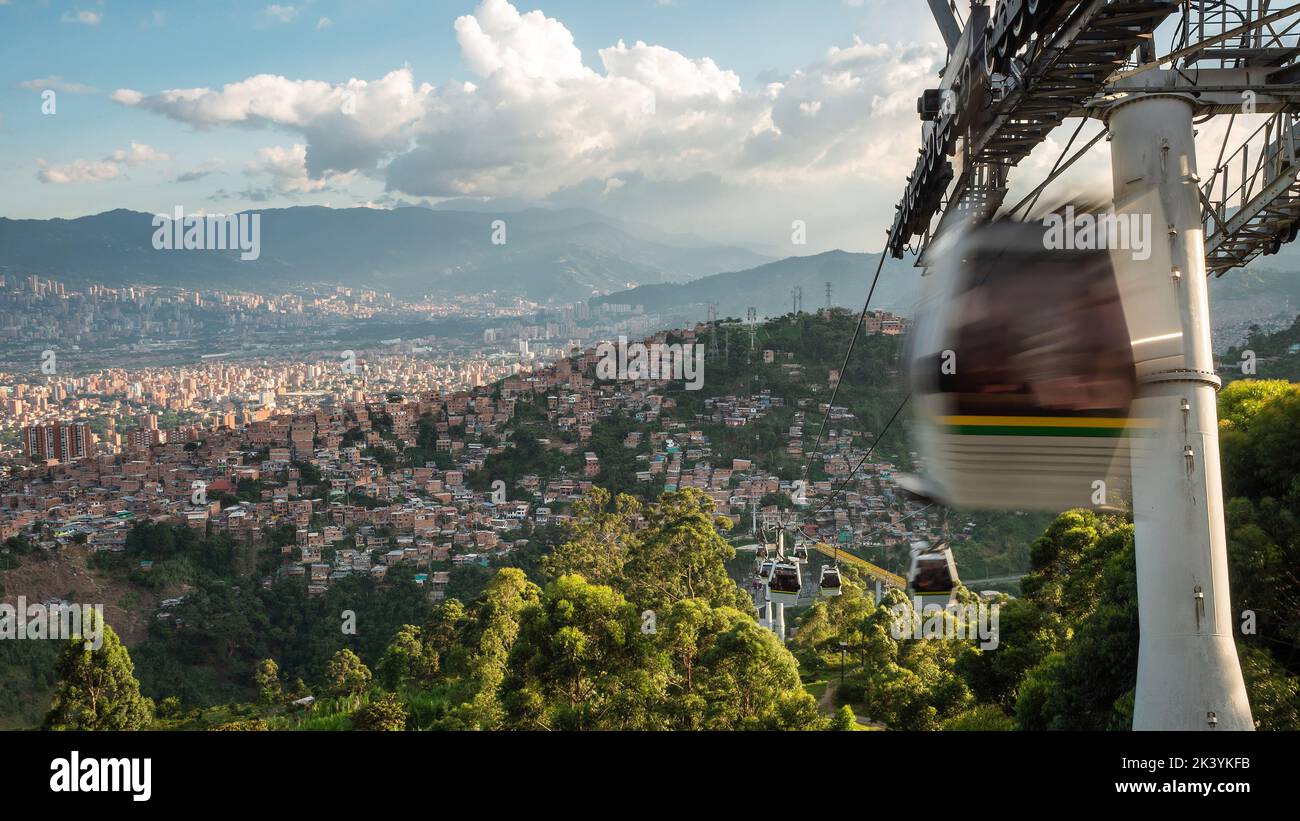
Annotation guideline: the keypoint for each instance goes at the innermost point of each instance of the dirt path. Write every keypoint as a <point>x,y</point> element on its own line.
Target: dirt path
<point>827,701</point>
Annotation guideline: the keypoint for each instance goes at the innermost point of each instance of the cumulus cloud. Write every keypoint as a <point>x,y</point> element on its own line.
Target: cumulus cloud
<point>109,168</point>
<point>349,126</point>
<point>287,170</point>
<point>137,154</point>
<point>537,122</point>
<point>77,171</point>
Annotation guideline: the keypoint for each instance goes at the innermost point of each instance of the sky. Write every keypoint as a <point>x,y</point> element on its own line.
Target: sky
<point>729,120</point>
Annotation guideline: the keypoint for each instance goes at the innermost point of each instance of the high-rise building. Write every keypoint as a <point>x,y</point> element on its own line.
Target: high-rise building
<point>143,438</point>
<point>61,441</point>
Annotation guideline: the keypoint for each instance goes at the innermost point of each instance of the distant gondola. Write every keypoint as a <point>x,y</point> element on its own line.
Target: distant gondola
<point>933,575</point>
<point>830,583</point>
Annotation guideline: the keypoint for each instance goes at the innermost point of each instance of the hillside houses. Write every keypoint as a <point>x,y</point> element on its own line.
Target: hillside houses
<point>341,481</point>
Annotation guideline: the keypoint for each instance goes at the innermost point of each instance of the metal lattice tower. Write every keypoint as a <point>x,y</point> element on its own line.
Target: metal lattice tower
<point>713,330</point>
<point>1016,70</point>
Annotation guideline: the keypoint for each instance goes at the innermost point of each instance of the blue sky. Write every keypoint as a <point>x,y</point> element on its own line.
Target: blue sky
<point>716,147</point>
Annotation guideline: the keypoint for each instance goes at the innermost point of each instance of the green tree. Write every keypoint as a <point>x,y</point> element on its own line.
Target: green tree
<point>751,682</point>
<point>1241,401</point>
<point>408,659</point>
<point>346,677</point>
<point>386,713</point>
<point>266,678</point>
<point>678,554</point>
<point>582,662</point>
<point>844,719</point>
<point>981,718</point>
<point>97,688</point>
<point>1274,695</point>
<point>441,636</point>
<point>681,554</point>
<point>506,596</point>
<point>601,538</point>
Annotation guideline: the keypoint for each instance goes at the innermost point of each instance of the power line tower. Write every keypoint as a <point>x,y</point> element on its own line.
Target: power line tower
<point>829,304</point>
<point>751,318</point>
<point>796,299</point>
<point>713,330</point>
<point>1037,63</point>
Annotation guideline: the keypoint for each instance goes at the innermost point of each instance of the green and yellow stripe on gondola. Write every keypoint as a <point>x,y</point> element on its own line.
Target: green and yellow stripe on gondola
<point>1105,427</point>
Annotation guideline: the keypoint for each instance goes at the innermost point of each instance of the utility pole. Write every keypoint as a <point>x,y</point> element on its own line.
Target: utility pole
<point>1189,677</point>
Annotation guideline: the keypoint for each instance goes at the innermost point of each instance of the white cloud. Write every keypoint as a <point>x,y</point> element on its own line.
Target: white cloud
<point>287,170</point>
<point>278,13</point>
<point>126,96</point>
<point>57,83</point>
<point>109,168</point>
<point>77,171</point>
<point>323,23</point>
<point>85,18</point>
<point>537,122</point>
<point>349,126</point>
<point>137,154</point>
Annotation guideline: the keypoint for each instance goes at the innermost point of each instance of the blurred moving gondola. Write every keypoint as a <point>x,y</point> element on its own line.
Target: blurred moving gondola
<point>1024,367</point>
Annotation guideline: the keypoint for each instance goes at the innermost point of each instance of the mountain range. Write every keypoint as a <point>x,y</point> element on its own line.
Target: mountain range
<point>541,254</point>
<point>563,255</point>
<point>770,287</point>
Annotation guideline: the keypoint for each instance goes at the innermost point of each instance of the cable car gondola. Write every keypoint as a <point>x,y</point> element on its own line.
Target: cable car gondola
<point>830,583</point>
<point>801,552</point>
<point>932,577</point>
<point>1024,368</point>
<point>785,583</point>
<point>765,570</point>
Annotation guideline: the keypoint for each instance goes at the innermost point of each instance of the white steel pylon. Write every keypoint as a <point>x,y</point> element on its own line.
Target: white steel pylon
<point>1189,676</point>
